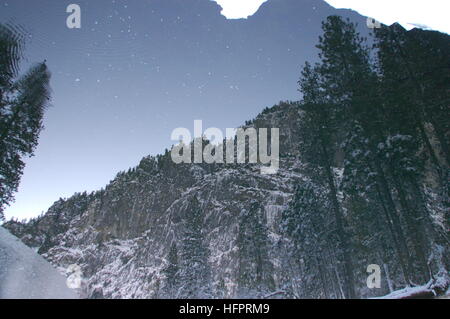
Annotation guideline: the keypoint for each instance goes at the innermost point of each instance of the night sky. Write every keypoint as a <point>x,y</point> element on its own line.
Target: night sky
<point>138,69</point>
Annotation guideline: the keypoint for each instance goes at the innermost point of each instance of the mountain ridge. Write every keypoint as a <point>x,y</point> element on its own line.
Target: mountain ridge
<point>162,230</point>
<point>86,220</point>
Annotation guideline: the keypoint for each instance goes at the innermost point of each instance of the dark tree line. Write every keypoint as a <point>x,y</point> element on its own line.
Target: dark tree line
<point>375,140</point>
<point>23,100</point>
<point>378,116</point>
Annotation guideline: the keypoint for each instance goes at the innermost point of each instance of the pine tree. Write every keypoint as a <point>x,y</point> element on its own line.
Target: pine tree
<point>310,230</point>
<point>318,144</point>
<point>415,66</point>
<point>11,47</point>
<point>255,269</point>
<point>414,69</point>
<point>195,274</point>
<point>22,105</point>
<point>351,83</point>
<point>171,272</point>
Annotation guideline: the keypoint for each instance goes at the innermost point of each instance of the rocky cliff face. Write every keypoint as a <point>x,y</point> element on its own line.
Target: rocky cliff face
<point>122,236</point>
<point>162,230</point>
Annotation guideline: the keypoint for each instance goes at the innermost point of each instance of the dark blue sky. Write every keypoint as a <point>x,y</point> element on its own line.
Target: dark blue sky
<point>138,69</point>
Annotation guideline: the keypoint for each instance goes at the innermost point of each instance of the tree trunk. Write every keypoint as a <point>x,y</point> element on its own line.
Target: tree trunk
<point>342,235</point>
<point>393,215</point>
<point>388,277</point>
<point>430,149</point>
<point>442,140</point>
<point>415,227</point>
<point>398,248</point>
<point>322,276</point>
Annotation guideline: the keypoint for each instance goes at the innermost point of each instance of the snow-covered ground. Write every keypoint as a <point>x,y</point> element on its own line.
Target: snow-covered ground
<point>410,292</point>
<point>26,275</point>
<point>433,289</point>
